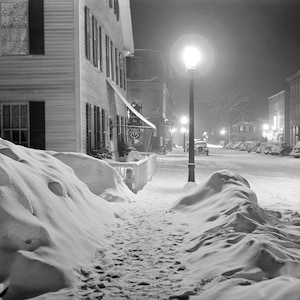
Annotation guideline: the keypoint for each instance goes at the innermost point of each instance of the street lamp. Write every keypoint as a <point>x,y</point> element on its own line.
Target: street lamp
<point>191,58</point>
<point>183,131</point>
<point>184,120</point>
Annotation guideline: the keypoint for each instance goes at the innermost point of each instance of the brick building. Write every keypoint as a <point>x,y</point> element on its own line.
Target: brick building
<point>294,126</point>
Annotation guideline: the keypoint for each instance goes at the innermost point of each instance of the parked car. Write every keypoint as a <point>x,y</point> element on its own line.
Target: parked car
<point>243,146</point>
<point>296,150</point>
<point>268,147</point>
<point>252,146</point>
<point>248,146</point>
<point>260,148</point>
<point>200,147</point>
<point>281,149</point>
<point>237,145</point>
<point>229,145</point>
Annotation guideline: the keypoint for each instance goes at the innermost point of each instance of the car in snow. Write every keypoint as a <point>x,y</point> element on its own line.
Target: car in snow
<point>296,150</point>
<point>266,149</point>
<point>281,149</point>
<point>252,146</point>
<point>200,147</point>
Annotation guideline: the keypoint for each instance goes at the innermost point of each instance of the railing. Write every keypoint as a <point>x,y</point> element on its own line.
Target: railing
<point>137,173</point>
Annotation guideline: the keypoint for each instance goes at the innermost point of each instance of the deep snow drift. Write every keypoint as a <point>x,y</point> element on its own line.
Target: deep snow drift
<point>51,222</point>
<point>57,213</point>
<point>237,250</point>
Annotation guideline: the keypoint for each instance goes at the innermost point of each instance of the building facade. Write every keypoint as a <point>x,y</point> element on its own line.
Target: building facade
<point>294,126</point>
<point>148,77</point>
<point>279,117</point>
<point>63,73</point>
<point>246,131</point>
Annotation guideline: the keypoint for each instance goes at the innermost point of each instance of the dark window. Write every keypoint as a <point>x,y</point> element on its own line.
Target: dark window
<point>124,73</point>
<point>100,64</point>
<point>36,27</point>
<point>117,65</point>
<point>88,128</point>
<point>112,60</point>
<point>107,56</point>
<point>87,32</point>
<point>97,127</point>
<point>121,69</point>
<point>95,41</point>
<point>116,9</point>
<point>103,127</point>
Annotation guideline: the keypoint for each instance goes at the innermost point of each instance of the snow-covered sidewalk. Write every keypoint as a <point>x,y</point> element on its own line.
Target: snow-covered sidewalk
<point>144,258</point>
<point>73,230</point>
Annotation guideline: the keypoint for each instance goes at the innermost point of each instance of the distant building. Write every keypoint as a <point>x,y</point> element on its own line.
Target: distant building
<point>294,127</point>
<point>279,117</point>
<point>247,131</point>
<point>63,73</point>
<point>148,76</point>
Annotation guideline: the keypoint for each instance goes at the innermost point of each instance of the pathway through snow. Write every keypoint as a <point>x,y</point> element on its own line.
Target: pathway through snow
<point>144,259</point>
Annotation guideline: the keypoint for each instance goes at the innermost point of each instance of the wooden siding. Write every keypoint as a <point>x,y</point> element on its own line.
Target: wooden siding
<point>48,77</point>
<point>92,80</point>
<point>63,77</point>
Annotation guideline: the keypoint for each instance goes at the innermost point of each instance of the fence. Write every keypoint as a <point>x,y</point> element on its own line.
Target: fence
<point>137,173</point>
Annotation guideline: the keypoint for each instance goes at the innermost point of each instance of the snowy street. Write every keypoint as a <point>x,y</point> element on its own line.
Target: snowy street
<point>146,248</point>
<point>236,232</point>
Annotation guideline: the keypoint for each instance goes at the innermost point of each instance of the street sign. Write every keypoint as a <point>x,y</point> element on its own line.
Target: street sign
<point>134,133</point>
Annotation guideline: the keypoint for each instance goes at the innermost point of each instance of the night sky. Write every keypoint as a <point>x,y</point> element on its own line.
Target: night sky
<point>254,44</point>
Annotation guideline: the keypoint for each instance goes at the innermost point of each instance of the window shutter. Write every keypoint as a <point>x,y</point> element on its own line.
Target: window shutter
<point>88,128</point>
<point>87,32</point>
<point>36,27</point>
<point>37,125</point>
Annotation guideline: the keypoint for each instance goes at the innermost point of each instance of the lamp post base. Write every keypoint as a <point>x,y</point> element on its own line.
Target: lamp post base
<point>191,177</point>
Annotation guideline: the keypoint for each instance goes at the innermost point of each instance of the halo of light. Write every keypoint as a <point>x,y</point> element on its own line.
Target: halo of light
<point>184,120</point>
<point>195,41</point>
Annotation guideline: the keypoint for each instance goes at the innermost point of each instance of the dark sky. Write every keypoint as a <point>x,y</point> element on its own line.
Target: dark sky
<point>254,44</point>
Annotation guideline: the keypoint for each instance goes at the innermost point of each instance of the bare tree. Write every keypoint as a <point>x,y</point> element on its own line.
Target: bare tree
<point>230,105</point>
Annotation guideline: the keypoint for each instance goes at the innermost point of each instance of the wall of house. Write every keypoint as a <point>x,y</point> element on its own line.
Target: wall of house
<point>94,88</point>
<point>49,78</point>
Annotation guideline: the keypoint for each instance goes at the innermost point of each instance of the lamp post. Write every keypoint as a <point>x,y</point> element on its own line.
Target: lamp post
<point>191,58</point>
<point>183,131</point>
<point>184,120</point>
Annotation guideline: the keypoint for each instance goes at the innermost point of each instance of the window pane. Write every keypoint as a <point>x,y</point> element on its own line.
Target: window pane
<point>24,137</point>
<point>6,134</point>
<point>6,116</point>
<point>14,28</point>
<point>24,116</point>
<point>15,137</point>
<point>15,110</point>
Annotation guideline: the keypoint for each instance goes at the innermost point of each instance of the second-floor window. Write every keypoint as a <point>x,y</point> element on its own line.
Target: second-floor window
<point>22,27</point>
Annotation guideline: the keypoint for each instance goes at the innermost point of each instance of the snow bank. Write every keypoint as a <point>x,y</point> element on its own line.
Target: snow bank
<point>44,208</point>
<point>236,248</point>
<point>102,179</point>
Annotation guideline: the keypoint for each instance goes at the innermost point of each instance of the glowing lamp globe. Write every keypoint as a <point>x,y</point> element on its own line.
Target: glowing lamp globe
<point>191,57</point>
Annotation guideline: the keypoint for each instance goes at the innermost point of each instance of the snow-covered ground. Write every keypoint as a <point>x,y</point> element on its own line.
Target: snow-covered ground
<point>70,228</point>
